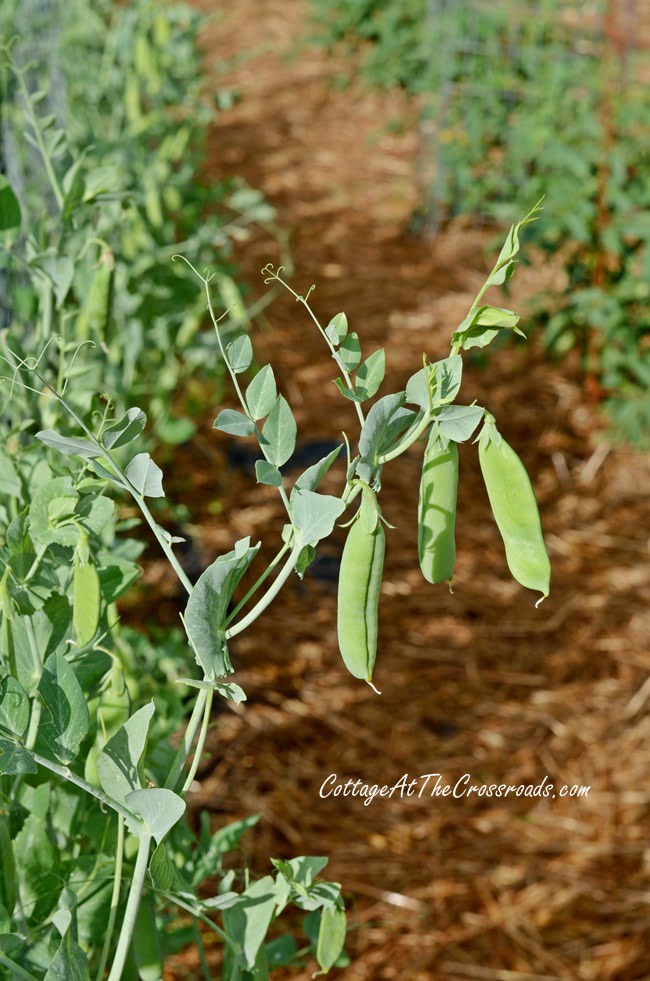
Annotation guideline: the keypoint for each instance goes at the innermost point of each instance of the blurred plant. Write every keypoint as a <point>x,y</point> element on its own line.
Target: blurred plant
<point>107,169</point>
<point>519,101</point>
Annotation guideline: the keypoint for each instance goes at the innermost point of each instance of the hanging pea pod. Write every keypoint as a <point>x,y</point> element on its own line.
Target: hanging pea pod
<point>7,868</point>
<point>359,584</point>
<point>146,942</point>
<point>95,314</point>
<point>515,510</point>
<point>437,510</point>
<point>86,594</point>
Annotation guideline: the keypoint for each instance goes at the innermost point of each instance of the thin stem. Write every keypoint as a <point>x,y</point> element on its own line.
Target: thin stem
<point>177,901</point>
<point>200,742</point>
<point>269,569</point>
<point>185,747</point>
<point>203,961</point>
<point>268,597</point>
<point>16,970</point>
<point>233,375</point>
<point>132,906</point>
<point>301,299</point>
<point>67,774</point>
<point>31,115</point>
<point>115,897</point>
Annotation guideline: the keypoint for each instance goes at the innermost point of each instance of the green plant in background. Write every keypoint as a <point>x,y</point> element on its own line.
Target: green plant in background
<point>103,139</point>
<point>519,101</point>
<point>100,868</point>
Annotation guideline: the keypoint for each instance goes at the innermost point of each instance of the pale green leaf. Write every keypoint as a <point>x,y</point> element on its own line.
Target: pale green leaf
<point>66,722</point>
<point>261,393</point>
<point>145,476</point>
<point>278,439</point>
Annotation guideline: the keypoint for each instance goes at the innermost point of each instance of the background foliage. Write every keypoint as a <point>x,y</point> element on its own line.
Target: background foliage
<point>523,100</point>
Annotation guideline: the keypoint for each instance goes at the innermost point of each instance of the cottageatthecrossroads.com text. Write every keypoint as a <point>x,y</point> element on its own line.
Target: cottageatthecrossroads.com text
<point>433,785</point>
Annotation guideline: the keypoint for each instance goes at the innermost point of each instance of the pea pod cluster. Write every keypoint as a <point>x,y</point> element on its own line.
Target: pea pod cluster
<point>515,510</point>
<point>437,510</point>
<point>362,565</point>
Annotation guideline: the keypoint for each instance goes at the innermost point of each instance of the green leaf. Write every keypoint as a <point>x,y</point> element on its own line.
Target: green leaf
<point>69,963</point>
<point>348,355</point>
<point>314,515</point>
<point>337,328</point>
<point>161,869</point>
<point>261,393</point>
<point>458,422</point>
<point>14,707</point>
<point>60,271</point>
<point>67,723</point>
<point>10,216</point>
<point>331,937</point>
<point>42,523</point>
<point>230,691</point>
<point>9,480</point>
<point>266,473</point>
<point>69,446</point>
<point>15,758</point>
<point>125,430</point>
<point>240,353</point>
<point>347,392</point>
<point>301,870</point>
<point>505,265</point>
<point>370,375</point>
<point>446,379</point>
<point>305,558</point>
<point>482,325</point>
<point>145,476</point>
<point>160,809</point>
<point>311,478</point>
<point>205,613</point>
<point>249,920</point>
<point>278,439</point>
<point>377,429</point>
<point>234,423</point>
<point>119,761</point>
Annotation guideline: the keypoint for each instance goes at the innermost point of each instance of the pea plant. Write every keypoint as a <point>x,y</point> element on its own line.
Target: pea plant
<point>101,870</point>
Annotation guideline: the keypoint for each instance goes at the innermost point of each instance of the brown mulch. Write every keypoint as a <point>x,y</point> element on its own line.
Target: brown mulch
<point>477,682</point>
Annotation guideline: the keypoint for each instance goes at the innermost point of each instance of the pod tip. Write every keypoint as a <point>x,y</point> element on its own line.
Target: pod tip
<point>540,600</point>
<point>376,690</point>
<point>451,586</point>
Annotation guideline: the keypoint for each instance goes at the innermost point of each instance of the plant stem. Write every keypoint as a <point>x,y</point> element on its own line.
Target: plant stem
<point>301,299</point>
<point>38,136</point>
<point>132,906</point>
<point>200,742</point>
<point>268,597</point>
<point>203,961</point>
<point>185,747</point>
<point>115,897</point>
<point>67,774</point>
<point>16,971</point>
<point>257,584</point>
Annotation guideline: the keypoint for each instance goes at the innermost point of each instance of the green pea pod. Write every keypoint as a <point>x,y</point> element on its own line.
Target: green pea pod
<point>86,598</point>
<point>358,595</point>
<point>95,312</point>
<point>113,711</point>
<point>437,510</point>
<point>146,943</point>
<point>7,869</point>
<point>515,510</point>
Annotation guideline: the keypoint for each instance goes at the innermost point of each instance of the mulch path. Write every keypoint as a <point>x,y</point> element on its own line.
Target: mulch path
<point>477,682</point>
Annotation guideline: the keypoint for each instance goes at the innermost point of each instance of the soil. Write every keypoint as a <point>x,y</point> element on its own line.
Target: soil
<point>479,682</point>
